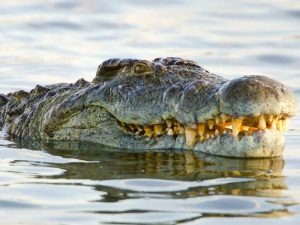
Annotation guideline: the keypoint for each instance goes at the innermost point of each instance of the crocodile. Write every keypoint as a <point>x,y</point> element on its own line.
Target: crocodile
<point>167,103</point>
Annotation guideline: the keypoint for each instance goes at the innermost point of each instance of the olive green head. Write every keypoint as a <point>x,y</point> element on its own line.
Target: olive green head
<point>171,103</point>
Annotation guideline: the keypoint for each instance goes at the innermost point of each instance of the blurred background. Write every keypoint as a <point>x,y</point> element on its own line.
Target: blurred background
<point>43,42</point>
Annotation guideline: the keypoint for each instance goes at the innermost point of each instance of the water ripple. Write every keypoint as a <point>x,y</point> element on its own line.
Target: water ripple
<point>45,42</point>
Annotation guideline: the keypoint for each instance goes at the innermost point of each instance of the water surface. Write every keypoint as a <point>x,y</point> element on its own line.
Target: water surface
<point>44,42</point>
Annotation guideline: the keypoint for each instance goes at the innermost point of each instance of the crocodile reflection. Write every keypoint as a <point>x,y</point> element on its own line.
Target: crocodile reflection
<point>106,163</point>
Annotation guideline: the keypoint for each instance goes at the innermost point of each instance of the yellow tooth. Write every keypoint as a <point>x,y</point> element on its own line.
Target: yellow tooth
<point>190,136</point>
<point>210,124</point>
<point>170,132</point>
<point>148,131</point>
<point>285,124</point>
<point>262,123</point>
<point>202,138</point>
<point>274,123</point>
<point>201,129</point>
<point>279,125</point>
<point>224,132</point>
<point>236,126</point>
<point>251,130</point>
<point>217,132</point>
<point>222,120</point>
<point>181,130</point>
<point>270,119</point>
<point>207,136</point>
<point>224,117</point>
<point>158,129</point>
<point>176,130</point>
<point>169,123</point>
<point>212,135</point>
<point>245,128</point>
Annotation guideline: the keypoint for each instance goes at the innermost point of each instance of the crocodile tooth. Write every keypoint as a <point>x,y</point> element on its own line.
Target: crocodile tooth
<point>158,129</point>
<point>285,124</point>
<point>224,117</point>
<point>212,135</point>
<point>202,138</point>
<point>207,136</point>
<point>270,119</point>
<point>236,126</point>
<point>217,132</point>
<point>210,124</point>
<point>245,128</point>
<point>262,123</point>
<point>190,136</point>
<point>251,130</point>
<point>169,123</point>
<point>181,129</point>
<point>148,131</point>
<point>274,123</point>
<point>170,132</point>
<point>201,129</point>
<point>279,125</point>
<point>176,130</point>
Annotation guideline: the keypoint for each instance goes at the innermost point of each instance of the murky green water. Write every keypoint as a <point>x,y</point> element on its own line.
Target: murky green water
<point>43,42</point>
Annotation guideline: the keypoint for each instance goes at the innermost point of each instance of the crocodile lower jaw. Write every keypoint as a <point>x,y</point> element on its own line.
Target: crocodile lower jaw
<point>211,129</point>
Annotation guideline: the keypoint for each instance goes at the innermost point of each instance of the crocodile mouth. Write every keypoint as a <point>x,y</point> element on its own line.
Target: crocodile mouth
<point>219,125</point>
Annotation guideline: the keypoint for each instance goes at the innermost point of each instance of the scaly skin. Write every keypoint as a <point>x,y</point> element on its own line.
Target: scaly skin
<point>137,104</point>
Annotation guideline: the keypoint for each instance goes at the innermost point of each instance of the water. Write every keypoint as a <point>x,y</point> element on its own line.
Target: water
<point>43,42</point>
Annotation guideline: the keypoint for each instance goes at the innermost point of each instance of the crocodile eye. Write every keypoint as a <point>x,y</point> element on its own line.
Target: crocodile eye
<point>141,68</point>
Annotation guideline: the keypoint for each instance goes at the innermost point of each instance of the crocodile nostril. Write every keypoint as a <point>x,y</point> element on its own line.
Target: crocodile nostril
<point>254,95</point>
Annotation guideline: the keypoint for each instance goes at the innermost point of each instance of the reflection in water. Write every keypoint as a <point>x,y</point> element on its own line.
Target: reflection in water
<point>71,183</point>
<point>183,180</point>
<point>264,175</point>
<point>136,187</point>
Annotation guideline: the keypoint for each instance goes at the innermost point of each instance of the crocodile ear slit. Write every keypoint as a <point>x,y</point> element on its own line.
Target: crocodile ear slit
<point>107,70</point>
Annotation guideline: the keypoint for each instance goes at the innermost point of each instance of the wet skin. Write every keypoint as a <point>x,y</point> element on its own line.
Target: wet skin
<point>167,103</point>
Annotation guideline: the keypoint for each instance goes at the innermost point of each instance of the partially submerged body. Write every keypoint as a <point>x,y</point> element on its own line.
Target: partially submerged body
<point>168,103</point>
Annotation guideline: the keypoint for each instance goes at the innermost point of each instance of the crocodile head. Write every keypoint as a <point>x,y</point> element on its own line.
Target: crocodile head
<point>172,103</point>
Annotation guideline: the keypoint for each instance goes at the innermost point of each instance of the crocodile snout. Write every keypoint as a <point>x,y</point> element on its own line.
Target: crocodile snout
<point>256,95</point>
